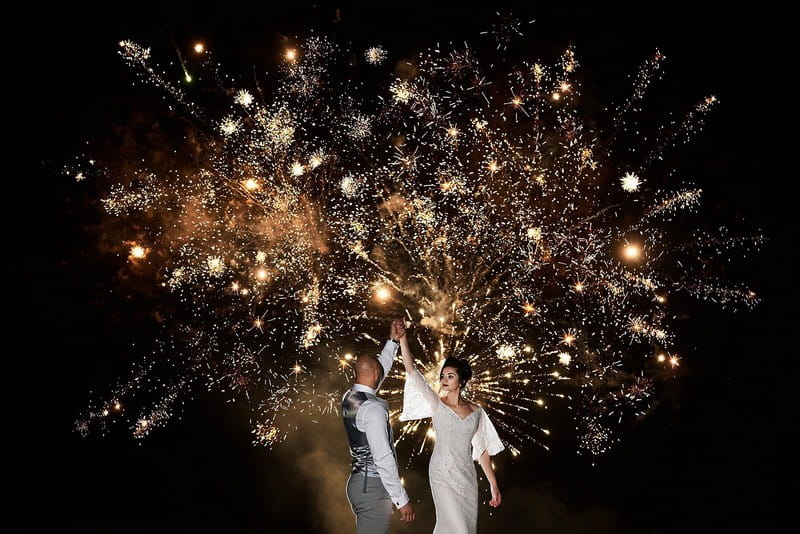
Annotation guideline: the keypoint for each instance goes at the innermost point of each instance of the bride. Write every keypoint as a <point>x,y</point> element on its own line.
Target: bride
<point>463,434</point>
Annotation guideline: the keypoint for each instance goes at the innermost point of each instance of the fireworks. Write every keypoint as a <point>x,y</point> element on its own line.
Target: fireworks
<point>375,55</point>
<point>471,199</point>
<point>244,98</point>
<point>138,252</point>
<point>630,182</point>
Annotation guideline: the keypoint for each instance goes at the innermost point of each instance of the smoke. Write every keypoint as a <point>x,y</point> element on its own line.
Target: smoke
<point>320,451</point>
<point>325,465</point>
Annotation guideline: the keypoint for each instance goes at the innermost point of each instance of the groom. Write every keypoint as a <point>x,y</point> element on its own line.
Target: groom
<point>374,485</point>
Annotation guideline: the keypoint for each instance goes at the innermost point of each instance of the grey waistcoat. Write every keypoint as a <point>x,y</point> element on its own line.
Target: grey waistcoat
<point>359,447</point>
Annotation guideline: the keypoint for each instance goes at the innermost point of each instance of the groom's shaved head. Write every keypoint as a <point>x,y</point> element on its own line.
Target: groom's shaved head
<point>367,364</point>
<point>369,370</point>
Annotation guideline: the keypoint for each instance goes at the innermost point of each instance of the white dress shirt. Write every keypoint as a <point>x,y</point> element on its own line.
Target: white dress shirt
<point>373,419</point>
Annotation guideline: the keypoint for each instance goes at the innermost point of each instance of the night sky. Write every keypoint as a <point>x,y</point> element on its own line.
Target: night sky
<point>713,457</point>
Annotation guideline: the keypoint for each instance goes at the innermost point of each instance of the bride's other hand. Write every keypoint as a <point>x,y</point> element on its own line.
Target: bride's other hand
<point>496,497</point>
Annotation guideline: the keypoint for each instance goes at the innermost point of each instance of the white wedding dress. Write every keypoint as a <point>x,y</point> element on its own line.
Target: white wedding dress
<point>459,442</point>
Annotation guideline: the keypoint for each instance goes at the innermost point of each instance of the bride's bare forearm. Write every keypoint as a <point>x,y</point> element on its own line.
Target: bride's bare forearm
<point>408,358</point>
<point>486,463</point>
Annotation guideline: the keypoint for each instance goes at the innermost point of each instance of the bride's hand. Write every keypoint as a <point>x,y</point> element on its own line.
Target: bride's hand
<point>496,497</point>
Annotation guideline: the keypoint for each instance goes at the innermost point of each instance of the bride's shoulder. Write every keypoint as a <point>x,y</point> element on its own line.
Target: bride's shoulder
<point>474,406</point>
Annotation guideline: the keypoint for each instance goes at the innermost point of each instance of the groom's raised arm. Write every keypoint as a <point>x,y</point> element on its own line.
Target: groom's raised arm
<point>375,424</point>
<point>386,358</point>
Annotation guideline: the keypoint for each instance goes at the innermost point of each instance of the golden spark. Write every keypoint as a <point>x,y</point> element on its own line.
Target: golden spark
<point>251,184</point>
<point>401,91</point>
<point>229,126</point>
<point>534,233</point>
<point>244,98</point>
<point>215,266</point>
<point>632,251</point>
<point>375,55</point>
<point>316,160</point>
<point>568,339</point>
<point>630,182</point>
<point>506,352</point>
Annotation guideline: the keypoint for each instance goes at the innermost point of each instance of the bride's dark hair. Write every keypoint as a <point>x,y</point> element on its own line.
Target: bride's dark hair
<point>462,367</point>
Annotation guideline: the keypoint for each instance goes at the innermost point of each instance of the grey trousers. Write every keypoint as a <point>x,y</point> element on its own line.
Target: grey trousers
<point>373,508</point>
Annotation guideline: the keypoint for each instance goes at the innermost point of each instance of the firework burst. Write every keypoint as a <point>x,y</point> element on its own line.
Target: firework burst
<point>473,200</point>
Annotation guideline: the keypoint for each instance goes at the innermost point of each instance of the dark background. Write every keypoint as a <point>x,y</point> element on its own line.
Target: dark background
<point>713,458</point>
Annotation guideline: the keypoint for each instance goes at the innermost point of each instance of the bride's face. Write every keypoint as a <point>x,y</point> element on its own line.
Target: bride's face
<point>448,379</point>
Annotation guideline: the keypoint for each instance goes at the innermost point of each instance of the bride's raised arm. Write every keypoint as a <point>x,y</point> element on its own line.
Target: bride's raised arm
<point>419,400</point>
<point>408,359</point>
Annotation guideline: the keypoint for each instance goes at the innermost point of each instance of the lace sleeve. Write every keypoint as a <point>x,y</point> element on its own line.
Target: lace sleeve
<point>419,400</point>
<point>485,438</point>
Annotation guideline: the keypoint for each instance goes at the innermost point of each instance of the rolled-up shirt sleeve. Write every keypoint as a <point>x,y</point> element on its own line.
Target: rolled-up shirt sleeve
<point>373,422</point>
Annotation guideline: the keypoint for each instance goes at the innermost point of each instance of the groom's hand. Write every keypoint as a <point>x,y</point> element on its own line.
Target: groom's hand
<point>406,513</point>
<point>398,329</point>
